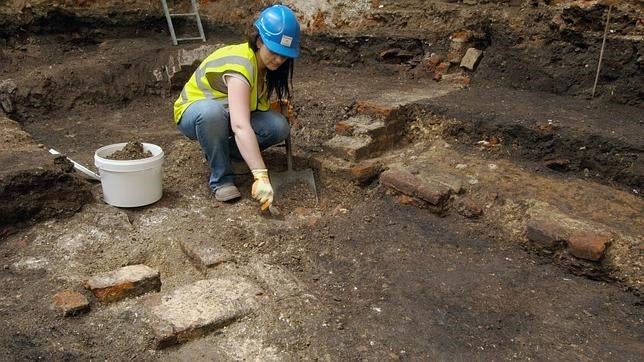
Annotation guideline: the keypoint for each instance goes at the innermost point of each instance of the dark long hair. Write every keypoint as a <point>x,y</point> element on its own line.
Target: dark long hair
<point>280,80</point>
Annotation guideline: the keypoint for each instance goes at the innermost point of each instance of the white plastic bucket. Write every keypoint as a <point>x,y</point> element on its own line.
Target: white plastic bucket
<point>130,183</point>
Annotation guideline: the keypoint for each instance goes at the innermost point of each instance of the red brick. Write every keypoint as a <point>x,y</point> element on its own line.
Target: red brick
<point>400,180</point>
<point>70,302</point>
<point>434,193</point>
<point>348,148</point>
<point>588,245</point>
<point>129,281</point>
<point>365,172</point>
<point>374,109</point>
<point>406,183</point>
<point>545,233</point>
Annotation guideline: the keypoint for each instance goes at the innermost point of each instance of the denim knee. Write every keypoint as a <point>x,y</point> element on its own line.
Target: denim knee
<point>270,127</point>
<point>282,129</point>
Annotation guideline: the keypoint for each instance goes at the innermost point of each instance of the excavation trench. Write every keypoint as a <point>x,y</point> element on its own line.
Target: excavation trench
<point>377,275</point>
<point>105,93</point>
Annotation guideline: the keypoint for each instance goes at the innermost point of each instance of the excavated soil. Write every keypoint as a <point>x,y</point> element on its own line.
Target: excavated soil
<point>133,150</point>
<point>383,279</point>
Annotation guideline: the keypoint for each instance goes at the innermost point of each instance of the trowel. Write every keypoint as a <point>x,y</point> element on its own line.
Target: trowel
<point>272,212</point>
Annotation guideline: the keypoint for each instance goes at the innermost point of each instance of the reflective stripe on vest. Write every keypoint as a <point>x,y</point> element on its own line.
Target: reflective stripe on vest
<point>236,58</point>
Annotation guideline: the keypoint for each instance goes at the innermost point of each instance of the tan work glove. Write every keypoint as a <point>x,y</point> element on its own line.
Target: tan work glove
<point>262,190</point>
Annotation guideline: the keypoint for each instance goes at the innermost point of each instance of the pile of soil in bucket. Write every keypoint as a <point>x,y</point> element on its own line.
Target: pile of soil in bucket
<point>133,150</point>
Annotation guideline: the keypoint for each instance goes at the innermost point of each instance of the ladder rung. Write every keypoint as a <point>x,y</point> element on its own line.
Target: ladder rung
<point>195,38</point>
<point>184,14</point>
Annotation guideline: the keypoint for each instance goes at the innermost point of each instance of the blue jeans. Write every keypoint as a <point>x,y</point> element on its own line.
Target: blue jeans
<point>208,122</point>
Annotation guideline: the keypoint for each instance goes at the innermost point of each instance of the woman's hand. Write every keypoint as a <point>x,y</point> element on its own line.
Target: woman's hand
<point>262,190</point>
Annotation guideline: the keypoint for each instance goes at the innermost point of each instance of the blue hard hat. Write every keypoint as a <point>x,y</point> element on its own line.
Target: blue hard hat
<point>280,31</point>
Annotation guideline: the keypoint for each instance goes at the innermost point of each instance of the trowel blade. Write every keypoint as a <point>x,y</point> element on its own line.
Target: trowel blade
<point>272,212</point>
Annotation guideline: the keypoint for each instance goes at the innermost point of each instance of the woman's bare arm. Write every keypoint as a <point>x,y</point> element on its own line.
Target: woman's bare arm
<point>238,105</point>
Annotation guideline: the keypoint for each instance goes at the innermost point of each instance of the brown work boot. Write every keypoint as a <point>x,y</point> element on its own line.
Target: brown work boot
<point>227,192</point>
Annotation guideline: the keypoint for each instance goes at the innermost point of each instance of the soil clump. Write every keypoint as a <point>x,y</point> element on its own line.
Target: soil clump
<point>132,150</point>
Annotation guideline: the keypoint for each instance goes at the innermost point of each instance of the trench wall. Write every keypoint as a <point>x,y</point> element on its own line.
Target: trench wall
<point>543,45</point>
<point>351,16</point>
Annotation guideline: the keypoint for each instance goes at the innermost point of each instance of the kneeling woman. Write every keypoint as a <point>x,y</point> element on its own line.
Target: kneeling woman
<point>225,104</point>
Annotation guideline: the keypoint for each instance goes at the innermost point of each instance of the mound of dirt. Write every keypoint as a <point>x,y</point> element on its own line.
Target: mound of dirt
<point>133,150</point>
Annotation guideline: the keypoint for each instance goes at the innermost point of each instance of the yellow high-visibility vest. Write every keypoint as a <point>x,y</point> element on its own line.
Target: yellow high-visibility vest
<point>207,81</point>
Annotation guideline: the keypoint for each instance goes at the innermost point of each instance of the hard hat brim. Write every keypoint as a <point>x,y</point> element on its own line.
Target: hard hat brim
<point>281,50</point>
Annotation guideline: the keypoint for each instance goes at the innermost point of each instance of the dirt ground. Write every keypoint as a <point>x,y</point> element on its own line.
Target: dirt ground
<point>380,279</point>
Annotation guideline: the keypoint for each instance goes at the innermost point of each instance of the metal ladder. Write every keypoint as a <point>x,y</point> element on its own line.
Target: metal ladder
<point>194,13</point>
